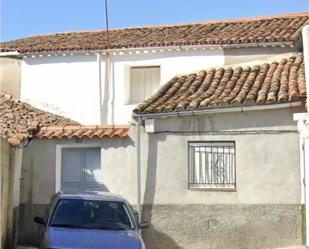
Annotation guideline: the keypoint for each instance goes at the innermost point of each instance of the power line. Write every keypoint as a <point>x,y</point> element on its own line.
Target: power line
<point>106,23</point>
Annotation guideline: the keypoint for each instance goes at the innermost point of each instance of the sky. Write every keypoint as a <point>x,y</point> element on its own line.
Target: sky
<point>21,18</point>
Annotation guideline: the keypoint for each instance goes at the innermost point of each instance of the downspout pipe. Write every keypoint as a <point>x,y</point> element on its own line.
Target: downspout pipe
<point>110,84</point>
<point>138,167</point>
<point>99,59</point>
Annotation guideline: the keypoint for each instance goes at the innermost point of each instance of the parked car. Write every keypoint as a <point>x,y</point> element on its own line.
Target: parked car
<point>96,221</point>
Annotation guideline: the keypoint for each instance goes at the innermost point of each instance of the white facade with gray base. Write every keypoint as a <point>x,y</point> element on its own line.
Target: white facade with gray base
<point>266,202</point>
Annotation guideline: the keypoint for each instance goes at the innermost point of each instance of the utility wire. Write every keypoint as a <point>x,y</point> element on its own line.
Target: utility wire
<point>106,23</point>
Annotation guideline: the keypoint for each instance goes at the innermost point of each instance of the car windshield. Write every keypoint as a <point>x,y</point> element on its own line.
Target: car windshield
<point>91,214</point>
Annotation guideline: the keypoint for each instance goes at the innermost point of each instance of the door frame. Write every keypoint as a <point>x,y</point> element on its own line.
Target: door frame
<point>59,148</point>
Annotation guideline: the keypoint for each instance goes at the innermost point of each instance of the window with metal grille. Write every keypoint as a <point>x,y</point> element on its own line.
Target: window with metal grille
<point>212,165</point>
<point>144,81</point>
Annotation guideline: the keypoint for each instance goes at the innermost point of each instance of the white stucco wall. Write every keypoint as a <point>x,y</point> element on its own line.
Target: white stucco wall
<point>10,76</point>
<point>69,85</point>
<point>254,56</point>
<point>171,64</point>
<point>267,161</point>
<point>65,85</point>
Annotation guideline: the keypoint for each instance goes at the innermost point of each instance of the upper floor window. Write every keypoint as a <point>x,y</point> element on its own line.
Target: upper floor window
<point>144,81</point>
<point>212,165</point>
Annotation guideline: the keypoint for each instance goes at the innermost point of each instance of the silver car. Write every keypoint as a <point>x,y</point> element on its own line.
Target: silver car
<point>96,221</point>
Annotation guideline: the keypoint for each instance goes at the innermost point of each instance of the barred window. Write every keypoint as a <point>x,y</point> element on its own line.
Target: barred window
<point>212,165</point>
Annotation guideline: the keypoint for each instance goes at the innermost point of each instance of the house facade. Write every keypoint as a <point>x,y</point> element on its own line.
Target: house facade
<point>219,149</point>
<point>114,74</point>
<point>228,175</point>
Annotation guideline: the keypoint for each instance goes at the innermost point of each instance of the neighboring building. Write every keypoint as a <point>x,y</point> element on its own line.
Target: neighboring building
<point>26,176</point>
<point>137,61</point>
<point>19,122</point>
<point>10,73</point>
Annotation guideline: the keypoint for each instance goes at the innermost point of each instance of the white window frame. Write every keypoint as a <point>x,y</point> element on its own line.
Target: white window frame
<point>215,183</point>
<point>59,148</point>
<point>128,76</point>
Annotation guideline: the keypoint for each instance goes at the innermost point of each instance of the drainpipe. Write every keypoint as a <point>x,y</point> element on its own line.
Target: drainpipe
<point>110,84</point>
<point>99,59</point>
<point>138,167</point>
<point>16,161</point>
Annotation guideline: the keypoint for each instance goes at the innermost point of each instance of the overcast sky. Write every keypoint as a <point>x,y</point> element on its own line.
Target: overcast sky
<point>20,18</point>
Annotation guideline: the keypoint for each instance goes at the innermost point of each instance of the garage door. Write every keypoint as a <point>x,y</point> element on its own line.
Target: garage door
<point>81,170</point>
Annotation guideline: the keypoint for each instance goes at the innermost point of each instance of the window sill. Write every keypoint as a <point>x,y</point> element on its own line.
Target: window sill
<point>230,188</point>
<point>135,104</point>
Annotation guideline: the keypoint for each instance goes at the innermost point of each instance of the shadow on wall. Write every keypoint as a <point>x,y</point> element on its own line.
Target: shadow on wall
<point>28,230</point>
<point>152,237</point>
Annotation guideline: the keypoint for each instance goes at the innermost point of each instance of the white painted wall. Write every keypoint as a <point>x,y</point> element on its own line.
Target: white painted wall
<point>63,85</point>
<point>10,75</point>
<point>171,64</point>
<point>69,85</point>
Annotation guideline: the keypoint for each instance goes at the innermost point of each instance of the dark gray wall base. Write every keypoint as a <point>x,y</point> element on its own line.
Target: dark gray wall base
<point>28,231</point>
<point>222,226</point>
<point>201,226</point>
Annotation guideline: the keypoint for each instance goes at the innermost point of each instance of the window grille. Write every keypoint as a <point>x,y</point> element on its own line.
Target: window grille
<point>212,165</point>
<point>144,81</point>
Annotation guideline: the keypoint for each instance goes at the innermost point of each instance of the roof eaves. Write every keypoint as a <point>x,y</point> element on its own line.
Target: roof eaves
<point>159,48</point>
<point>228,109</point>
<point>10,54</point>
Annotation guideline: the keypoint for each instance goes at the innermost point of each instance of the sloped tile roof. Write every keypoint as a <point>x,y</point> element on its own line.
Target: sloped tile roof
<point>20,121</point>
<point>269,83</point>
<point>279,28</point>
<point>82,131</point>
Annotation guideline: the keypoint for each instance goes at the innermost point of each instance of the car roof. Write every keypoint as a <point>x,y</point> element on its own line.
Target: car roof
<point>101,196</point>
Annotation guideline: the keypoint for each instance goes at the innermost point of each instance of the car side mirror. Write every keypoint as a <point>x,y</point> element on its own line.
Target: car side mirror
<point>39,220</point>
<point>143,224</point>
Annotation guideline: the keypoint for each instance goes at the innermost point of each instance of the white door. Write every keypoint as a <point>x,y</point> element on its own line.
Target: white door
<point>81,170</point>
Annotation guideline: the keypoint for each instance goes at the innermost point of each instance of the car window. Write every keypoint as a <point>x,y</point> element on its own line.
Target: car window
<point>91,214</point>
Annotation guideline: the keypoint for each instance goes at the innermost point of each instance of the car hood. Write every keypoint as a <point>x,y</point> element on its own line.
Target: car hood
<point>67,238</point>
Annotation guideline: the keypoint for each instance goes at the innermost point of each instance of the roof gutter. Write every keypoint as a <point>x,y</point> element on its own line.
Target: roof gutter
<point>216,111</point>
<point>137,50</point>
<point>10,54</point>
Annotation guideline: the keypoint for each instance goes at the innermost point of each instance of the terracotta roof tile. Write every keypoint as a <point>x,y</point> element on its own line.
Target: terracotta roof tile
<point>280,28</point>
<point>277,82</point>
<point>83,131</point>
<point>20,121</point>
